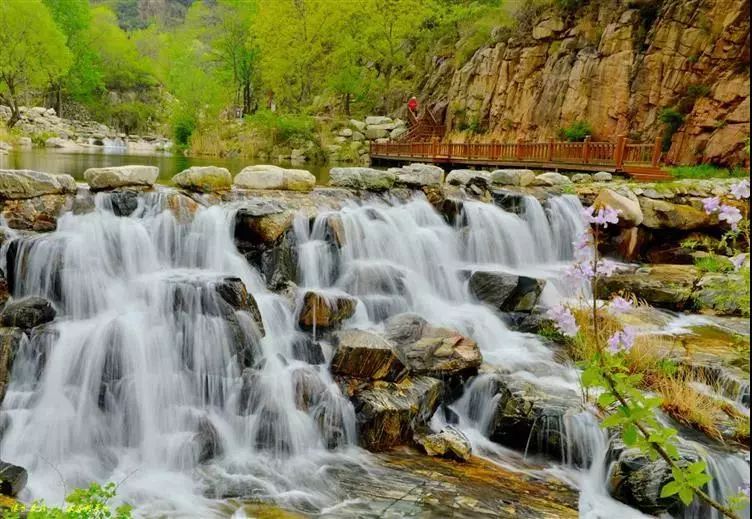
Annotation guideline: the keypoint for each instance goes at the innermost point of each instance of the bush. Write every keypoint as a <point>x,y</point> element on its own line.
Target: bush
<point>183,126</point>
<point>91,503</point>
<point>576,132</point>
<point>132,116</point>
<point>672,119</point>
<point>283,128</point>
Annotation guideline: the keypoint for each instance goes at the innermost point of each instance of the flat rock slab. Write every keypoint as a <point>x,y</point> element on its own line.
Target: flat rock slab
<point>121,176</point>
<point>204,179</point>
<point>365,355</point>
<point>26,183</point>
<point>274,177</point>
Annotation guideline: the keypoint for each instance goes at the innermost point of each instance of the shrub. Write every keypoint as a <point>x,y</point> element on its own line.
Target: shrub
<point>576,132</point>
<point>183,125</point>
<point>132,116</point>
<point>672,119</point>
<point>283,128</point>
<point>91,503</point>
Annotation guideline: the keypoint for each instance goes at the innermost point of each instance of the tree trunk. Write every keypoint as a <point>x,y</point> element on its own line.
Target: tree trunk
<point>247,98</point>
<point>14,115</point>
<point>347,104</point>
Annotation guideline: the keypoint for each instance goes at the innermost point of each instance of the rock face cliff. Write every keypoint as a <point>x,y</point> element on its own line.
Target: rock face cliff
<point>617,64</point>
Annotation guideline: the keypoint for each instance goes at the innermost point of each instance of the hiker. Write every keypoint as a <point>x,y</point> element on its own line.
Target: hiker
<point>412,105</point>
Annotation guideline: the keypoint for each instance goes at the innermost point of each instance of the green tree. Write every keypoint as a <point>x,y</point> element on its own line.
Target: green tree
<point>84,79</point>
<point>32,52</point>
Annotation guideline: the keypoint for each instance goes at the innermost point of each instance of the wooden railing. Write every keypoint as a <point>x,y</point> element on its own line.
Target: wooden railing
<point>639,160</point>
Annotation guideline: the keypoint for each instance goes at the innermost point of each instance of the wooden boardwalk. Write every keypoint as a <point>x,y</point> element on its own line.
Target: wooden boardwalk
<point>640,161</point>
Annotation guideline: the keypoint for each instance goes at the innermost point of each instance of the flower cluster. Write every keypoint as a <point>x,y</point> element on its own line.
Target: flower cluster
<point>604,216</point>
<point>728,213</point>
<point>619,305</point>
<point>564,320</point>
<point>621,341</point>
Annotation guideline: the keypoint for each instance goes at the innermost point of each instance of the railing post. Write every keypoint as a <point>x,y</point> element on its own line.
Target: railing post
<point>550,151</point>
<point>656,152</point>
<point>621,145</point>
<point>518,150</point>
<point>586,150</point>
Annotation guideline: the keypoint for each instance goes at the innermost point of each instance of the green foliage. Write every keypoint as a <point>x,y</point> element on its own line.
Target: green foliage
<point>701,171</point>
<point>714,263</point>
<point>672,119</point>
<point>282,128</point>
<point>90,503</point>
<point>576,132</point>
<point>32,51</point>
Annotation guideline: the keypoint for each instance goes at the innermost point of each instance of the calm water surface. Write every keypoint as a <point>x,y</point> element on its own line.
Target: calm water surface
<point>75,163</point>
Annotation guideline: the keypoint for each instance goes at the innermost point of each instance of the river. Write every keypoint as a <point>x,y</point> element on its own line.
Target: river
<point>75,163</point>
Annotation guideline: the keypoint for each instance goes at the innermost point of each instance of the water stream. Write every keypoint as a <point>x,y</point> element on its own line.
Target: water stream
<point>147,379</point>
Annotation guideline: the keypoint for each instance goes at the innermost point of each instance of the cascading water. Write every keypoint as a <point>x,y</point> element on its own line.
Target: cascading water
<point>147,373</point>
<point>146,377</point>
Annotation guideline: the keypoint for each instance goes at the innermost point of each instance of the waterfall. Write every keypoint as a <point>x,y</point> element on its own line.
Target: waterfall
<point>147,374</point>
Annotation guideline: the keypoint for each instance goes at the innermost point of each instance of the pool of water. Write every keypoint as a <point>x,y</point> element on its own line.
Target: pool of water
<point>76,162</point>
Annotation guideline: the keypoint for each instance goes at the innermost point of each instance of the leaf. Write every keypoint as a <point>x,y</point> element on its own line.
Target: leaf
<point>612,421</point>
<point>697,467</point>
<point>590,377</point>
<point>606,399</point>
<point>629,435</point>
<point>670,488</point>
<point>686,495</point>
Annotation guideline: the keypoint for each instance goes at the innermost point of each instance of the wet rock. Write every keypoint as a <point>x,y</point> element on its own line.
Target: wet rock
<point>712,293</point>
<point>660,214</point>
<point>204,179</point>
<point>388,414</point>
<point>637,481</point>
<point>36,214</point>
<point>10,342</point>
<point>668,286</point>
<point>274,177</point>
<point>513,177</point>
<point>325,311</point>
<point>121,176</point>
<point>4,290</point>
<point>308,388</point>
<point>304,348</point>
<point>418,175</point>
<point>603,176</point>
<point>233,291</point>
<point>365,355</point>
<point>506,292</point>
<point>362,178</point>
<point>26,183</point>
<point>12,479</point>
<point>630,213</point>
<point>124,202</point>
<point>27,313</point>
<point>431,350</point>
<point>449,443</point>
<point>251,392</point>
<point>273,431</point>
<point>207,441</point>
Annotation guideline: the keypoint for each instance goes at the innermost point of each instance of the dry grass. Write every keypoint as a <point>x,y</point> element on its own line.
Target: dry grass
<point>688,406</point>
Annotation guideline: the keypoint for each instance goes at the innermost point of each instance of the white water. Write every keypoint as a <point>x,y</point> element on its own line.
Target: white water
<point>129,378</point>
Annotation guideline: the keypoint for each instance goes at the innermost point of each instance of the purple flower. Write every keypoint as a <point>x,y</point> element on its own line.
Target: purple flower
<point>740,190</point>
<point>711,205</point>
<point>619,305</point>
<point>604,216</point>
<point>583,246</point>
<point>730,214</point>
<point>564,320</point>
<point>606,267</point>
<point>621,341</point>
<point>739,261</point>
<point>582,271</point>
<point>744,489</point>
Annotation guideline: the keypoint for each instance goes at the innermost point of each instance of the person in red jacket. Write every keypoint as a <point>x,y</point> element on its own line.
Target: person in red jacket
<point>412,105</point>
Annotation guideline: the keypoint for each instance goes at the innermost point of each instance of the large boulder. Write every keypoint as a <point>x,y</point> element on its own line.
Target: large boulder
<point>325,310</point>
<point>39,213</point>
<point>431,350</point>
<point>551,179</point>
<point>461,177</point>
<point>603,176</point>
<point>418,175</point>
<point>376,132</point>
<point>506,292</point>
<point>450,442</point>
<point>389,414</point>
<point>630,213</point>
<point>365,355</point>
<point>25,183</point>
<point>668,286</point>
<point>204,179</point>
<point>513,177</point>
<point>636,480</point>
<point>121,176</point>
<point>274,177</point>
<point>12,479</point>
<point>660,214</point>
<point>373,120</point>
<point>362,178</point>
<point>27,313</point>
<point>10,341</point>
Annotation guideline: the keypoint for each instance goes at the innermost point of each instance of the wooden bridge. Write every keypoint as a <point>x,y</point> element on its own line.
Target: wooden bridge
<point>640,161</point>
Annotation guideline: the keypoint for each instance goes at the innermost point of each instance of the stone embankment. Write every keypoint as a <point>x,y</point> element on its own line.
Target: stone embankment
<point>42,126</point>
